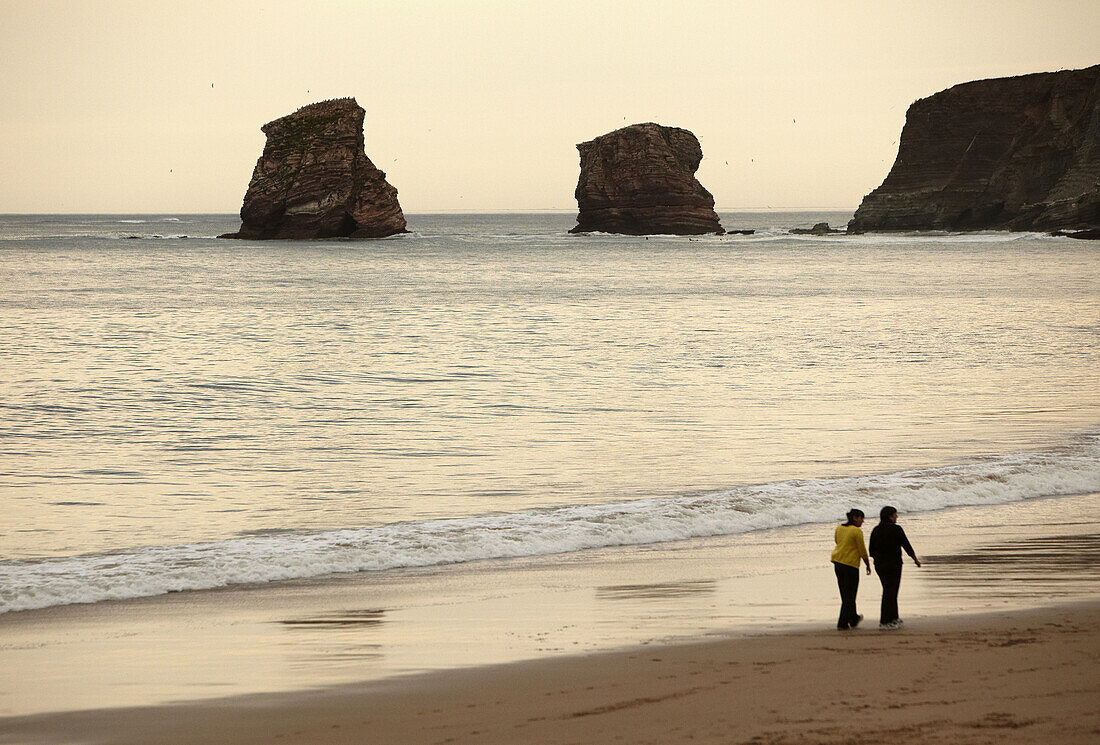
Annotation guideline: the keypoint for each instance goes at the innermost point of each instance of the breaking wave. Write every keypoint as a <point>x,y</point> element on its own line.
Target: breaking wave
<point>38,583</point>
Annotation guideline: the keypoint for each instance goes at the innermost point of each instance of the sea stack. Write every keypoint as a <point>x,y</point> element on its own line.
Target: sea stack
<point>314,180</point>
<point>1020,153</point>
<point>640,180</point>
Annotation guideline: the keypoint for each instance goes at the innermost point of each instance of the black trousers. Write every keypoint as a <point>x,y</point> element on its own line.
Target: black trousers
<point>890,577</point>
<point>847,579</point>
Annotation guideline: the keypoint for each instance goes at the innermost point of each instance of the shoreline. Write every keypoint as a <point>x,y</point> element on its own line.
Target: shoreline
<point>369,629</point>
<point>1021,676</point>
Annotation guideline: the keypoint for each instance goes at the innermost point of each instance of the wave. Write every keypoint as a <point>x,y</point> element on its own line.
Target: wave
<point>772,234</point>
<point>38,583</point>
<point>104,237</point>
<point>978,236</point>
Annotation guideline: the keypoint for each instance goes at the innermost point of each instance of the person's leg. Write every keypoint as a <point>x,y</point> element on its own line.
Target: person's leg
<point>883,613</point>
<point>842,585</point>
<point>847,580</point>
<point>890,576</point>
<point>895,585</point>
<point>855,617</point>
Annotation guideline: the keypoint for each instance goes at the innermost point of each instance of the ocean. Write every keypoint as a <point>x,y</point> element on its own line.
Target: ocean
<point>179,412</point>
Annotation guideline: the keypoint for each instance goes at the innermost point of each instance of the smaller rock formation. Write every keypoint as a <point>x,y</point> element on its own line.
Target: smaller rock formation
<point>821,228</point>
<point>640,180</point>
<point>314,180</point>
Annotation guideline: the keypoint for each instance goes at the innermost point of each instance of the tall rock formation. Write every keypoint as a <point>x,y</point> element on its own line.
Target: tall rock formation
<point>640,180</point>
<point>1019,153</point>
<point>314,180</point>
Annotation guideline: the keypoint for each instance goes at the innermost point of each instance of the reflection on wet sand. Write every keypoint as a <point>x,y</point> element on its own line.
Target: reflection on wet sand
<point>655,590</point>
<point>1044,566</point>
<point>340,643</point>
<point>338,619</point>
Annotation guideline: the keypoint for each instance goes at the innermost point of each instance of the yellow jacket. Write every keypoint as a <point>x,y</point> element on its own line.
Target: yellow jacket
<point>850,547</point>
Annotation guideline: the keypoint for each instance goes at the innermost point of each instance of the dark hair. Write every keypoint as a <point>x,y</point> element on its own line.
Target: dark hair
<point>853,514</point>
<point>885,512</point>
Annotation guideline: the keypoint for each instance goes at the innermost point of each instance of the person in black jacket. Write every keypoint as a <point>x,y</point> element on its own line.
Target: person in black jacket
<point>887,541</point>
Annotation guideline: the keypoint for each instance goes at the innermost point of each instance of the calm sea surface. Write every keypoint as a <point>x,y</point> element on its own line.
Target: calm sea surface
<point>180,412</point>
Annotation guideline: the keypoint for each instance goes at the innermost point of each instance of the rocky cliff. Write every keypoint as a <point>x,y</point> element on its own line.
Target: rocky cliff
<point>1019,153</point>
<point>314,180</point>
<point>640,180</point>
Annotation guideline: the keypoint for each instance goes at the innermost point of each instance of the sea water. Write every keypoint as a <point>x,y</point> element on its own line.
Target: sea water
<point>179,412</point>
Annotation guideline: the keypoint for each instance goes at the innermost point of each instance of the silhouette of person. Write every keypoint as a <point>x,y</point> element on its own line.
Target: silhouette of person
<point>887,541</point>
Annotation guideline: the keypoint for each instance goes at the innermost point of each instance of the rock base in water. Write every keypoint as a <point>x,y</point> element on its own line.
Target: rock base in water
<point>1084,235</point>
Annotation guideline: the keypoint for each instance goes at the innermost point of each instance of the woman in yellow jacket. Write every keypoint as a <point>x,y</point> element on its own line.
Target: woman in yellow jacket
<point>850,549</point>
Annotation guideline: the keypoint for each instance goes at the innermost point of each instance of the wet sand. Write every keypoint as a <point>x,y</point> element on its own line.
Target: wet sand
<point>1022,677</point>
<point>729,639</point>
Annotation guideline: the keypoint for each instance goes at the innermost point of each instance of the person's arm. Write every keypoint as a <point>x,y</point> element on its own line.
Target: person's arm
<point>863,550</point>
<point>906,545</point>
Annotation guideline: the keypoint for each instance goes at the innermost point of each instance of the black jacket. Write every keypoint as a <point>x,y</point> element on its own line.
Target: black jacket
<point>887,541</point>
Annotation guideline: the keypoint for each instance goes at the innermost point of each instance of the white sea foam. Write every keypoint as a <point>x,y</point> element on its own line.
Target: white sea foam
<point>104,237</point>
<point>771,235</point>
<point>774,234</point>
<point>27,584</point>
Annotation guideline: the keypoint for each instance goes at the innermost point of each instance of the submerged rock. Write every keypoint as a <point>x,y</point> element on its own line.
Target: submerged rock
<point>640,180</point>
<point>1019,153</point>
<point>314,180</point>
<point>821,228</point>
<point>1085,235</point>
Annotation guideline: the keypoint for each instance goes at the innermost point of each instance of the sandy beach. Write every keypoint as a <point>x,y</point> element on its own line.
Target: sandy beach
<point>1022,677</point>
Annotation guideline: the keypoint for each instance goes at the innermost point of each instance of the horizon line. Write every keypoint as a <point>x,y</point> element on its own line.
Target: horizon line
<point>464,211</point>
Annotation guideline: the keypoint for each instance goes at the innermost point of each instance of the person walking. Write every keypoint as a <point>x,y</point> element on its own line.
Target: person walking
<point>887,541</point>
<point>850,549</point>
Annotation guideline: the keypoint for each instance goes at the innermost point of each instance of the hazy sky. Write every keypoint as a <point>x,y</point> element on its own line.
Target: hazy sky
<point>157,107</point>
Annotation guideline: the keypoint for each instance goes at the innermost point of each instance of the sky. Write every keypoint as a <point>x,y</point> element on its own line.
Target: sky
<point>156,107</point>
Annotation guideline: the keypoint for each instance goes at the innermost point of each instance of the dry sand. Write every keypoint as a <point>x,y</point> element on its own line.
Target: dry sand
<point>1025,676</point>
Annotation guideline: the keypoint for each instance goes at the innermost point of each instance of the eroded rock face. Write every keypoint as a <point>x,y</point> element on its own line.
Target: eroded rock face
<point>640,180</point>
<point>314,180</point>
<point>1019,153</point>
